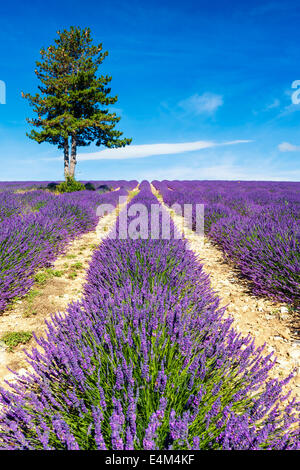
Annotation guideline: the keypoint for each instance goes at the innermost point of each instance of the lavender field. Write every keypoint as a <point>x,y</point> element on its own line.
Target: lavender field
<point>147,358</point>
<point>255,223</point>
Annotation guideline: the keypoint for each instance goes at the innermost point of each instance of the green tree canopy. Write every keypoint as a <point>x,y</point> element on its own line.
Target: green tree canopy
<point>72,106</point>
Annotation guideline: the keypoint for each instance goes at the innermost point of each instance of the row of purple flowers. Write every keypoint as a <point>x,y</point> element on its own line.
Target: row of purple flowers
<point>257,226</point>
<point>37,226</point>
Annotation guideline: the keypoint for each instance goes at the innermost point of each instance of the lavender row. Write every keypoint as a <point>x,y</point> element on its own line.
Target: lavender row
<point>37,226</point>
<point>257,226</point>
<point>147,360</point>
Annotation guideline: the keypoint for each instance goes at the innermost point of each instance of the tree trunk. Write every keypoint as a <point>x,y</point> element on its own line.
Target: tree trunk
<point>73,155</point>
<point>66,158</point>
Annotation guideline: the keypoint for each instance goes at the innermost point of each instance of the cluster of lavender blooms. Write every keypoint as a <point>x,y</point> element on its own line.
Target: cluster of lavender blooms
<point>37,226</point>
<point>128,185</point>
<point>255,223</point>
<point>147,360</point>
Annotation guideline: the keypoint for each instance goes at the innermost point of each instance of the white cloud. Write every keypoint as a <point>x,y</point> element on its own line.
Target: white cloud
<point>287,147</point>
<point>274,104</point>
<point>142,151</point>
<point>207,103</point>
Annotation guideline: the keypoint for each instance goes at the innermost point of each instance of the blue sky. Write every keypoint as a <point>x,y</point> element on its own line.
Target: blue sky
<point>215,77</point>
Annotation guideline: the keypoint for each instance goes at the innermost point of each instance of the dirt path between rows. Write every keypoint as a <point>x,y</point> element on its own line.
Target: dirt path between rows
<point>267,321</point>
<point>52,292</point>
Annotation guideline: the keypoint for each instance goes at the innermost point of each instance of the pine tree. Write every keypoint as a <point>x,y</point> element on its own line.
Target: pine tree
<point>72,104</point>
